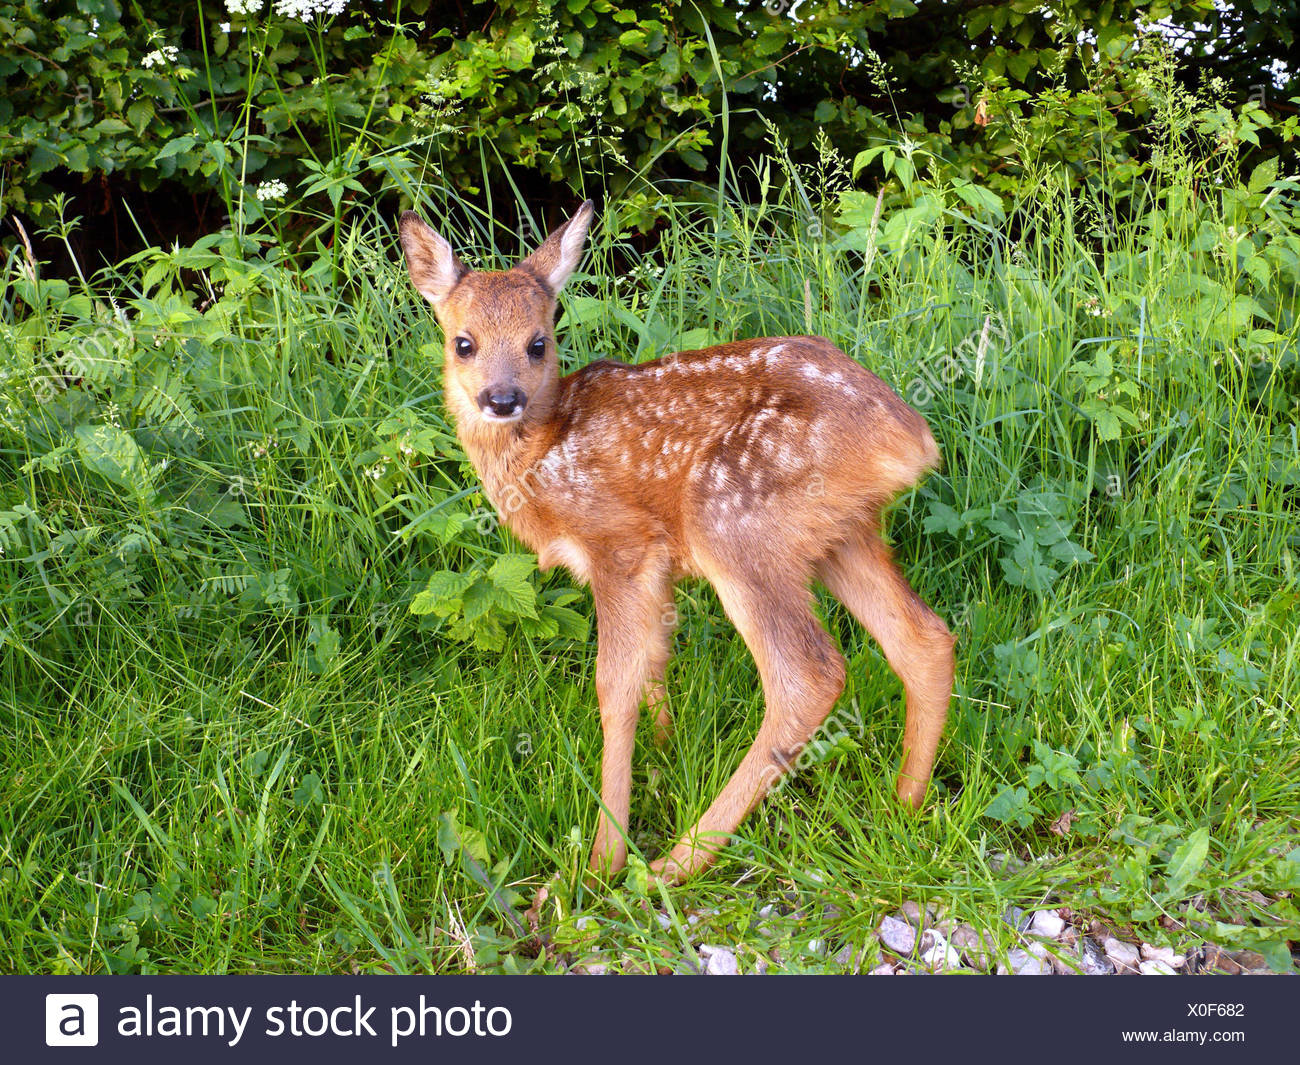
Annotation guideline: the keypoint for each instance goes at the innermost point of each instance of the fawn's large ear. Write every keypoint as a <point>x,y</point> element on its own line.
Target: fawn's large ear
<point>561,252</point>
<point>433,266</point>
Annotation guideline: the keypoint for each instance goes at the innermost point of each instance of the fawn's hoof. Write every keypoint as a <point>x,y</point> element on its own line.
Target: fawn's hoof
<point>681,863</point>
<point>607,858</point>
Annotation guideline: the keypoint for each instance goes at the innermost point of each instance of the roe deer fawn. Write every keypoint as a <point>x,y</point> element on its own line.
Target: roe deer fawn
<point>758,465</point>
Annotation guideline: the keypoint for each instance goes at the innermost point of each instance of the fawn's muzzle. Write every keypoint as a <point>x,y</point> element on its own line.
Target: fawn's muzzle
<point>502,402</point>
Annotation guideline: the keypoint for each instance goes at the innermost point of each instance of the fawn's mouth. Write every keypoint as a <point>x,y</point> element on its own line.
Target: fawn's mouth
<point>502,403</point>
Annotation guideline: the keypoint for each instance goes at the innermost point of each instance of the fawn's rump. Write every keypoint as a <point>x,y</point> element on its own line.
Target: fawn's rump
<point>799,471</point>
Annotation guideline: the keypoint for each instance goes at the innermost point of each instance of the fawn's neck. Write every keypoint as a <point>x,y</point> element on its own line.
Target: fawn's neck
<point>505,458</point>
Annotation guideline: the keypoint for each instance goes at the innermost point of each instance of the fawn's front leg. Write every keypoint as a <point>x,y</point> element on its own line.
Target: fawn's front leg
<point>631,648</point>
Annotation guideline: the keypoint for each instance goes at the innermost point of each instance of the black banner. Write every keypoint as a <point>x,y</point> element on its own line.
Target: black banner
<point>633,1019</point>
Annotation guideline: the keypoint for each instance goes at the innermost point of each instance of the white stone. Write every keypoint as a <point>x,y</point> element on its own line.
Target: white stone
<point>940,956</point>
<point>1121,953</point>
<point>1047,923</point>
<point>977,950</point>
<point>898,936</point>
<point>1156,968</point>
<point>719,961</point>
<point>1167,955</point>
<point>1025,963</point>
<point>912,913</point>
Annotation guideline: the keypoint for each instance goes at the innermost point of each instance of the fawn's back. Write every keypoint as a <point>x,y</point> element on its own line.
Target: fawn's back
<point>768,448</point>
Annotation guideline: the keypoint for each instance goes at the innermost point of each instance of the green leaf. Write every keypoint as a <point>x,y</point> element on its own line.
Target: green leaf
<point>1025,568</point>
<point>1277,953</point>
<point>442,594</point>
<point>310,791</point>
<point>489,634</point>
<point>1070,553</point>
<point>325,643</point>
<point>569,623</point>
<point>1187,861</point>
<point>1012,805</point>
<point>942,518</point>
<point>695,160</point>
<point>478,600</point>
<point>114,454</point>
<point>1107,423</point>
<point>174,147</point>
<point>455,840</point>
<point>1263,175</point>
<point>76,156</point>
<point>514,592</point>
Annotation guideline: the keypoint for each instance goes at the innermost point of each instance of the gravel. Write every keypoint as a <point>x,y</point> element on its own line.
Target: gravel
<point>719,961</point>
<point>923,938</point>
<point>1124,956</point>
<point>1025,962</point>
<point>938,955</point>
<point>1047,923</point>
<point>898,936</point>
<point>1093,959</point>
<point>978,950</point>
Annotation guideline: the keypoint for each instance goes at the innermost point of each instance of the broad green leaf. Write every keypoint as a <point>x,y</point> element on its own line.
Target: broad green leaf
<point>570,624</point>
<point>1012,805</point>
<point>514,591</point>
<point>442,594</point>
<point>1263,175</point>
<point>174,147</point>
<point>455,839</point>
<point>1277,953</point>
<point>114,454</point>
<point>1187,861</point>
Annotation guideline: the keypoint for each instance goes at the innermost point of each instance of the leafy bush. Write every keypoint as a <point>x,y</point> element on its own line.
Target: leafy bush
<point>258,100</point>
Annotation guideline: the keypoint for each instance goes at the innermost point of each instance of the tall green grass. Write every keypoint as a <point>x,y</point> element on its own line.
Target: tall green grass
<point>231,747</point>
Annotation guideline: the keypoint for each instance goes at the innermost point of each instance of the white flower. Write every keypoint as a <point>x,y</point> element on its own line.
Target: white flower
<point>271,190</point>
<point>166,55</point>
<point>304,10</point>
<point>243,7</point>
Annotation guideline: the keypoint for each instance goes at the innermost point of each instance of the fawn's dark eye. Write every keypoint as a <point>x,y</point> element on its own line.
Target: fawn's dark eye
<point>464,347</point>
<point>537,349</point>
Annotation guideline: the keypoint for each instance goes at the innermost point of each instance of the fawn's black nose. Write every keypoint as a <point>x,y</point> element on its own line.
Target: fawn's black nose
<point>502,402</point>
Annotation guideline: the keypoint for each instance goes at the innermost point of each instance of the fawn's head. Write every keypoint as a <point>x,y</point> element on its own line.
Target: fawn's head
<point>498,325</point>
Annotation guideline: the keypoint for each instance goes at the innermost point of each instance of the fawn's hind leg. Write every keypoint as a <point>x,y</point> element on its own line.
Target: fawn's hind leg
<point>660,650</point>
<point>803,675</point>
<point>915,641</point>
